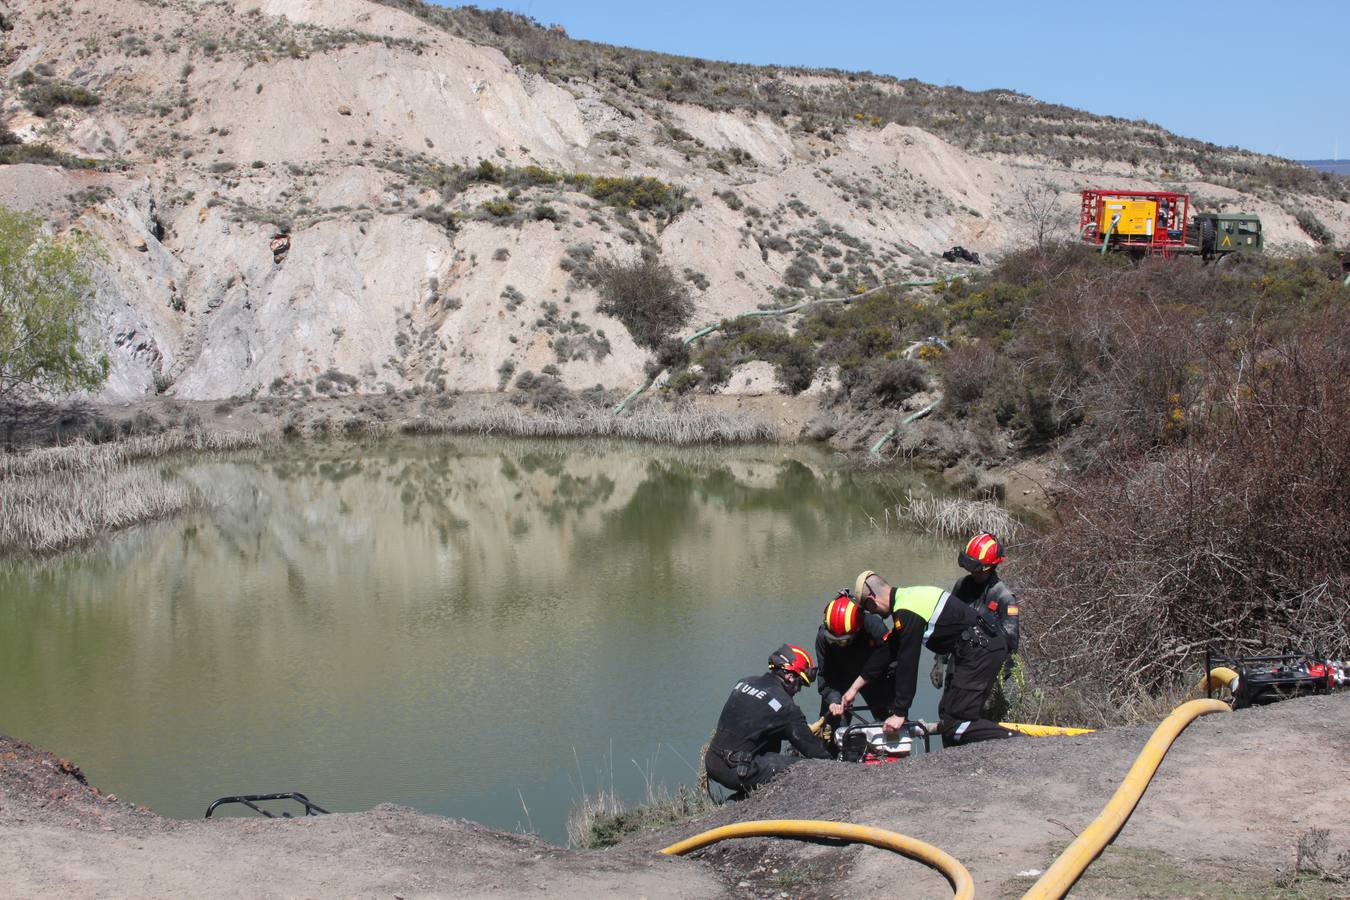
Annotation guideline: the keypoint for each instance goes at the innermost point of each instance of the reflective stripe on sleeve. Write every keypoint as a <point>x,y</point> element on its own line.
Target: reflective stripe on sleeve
<point>937,614</point>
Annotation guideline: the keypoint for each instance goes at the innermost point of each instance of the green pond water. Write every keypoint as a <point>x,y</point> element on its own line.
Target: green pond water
<point>475,628</point>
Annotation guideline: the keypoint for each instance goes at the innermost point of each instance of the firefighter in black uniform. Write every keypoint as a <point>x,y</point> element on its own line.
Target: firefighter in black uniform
<point>760,714</point>
<point>844,642</point>
<point>928,616</point>
<point>982,589</point>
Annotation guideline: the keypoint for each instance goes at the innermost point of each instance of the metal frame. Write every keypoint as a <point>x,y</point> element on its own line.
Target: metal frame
<point>1165,242</point>
<point>251,801</point>
<point>914,728</point>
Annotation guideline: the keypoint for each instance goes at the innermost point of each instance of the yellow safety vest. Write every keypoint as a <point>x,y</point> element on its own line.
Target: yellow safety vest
<point>925,601</point>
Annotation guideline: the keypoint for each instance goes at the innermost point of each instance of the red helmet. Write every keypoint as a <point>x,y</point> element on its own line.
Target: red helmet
<point>791,658</point>
<point>843,618</point>
<point>983,552</point>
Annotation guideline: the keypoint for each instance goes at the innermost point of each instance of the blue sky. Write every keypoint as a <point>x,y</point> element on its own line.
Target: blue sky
<point>1267,76</point>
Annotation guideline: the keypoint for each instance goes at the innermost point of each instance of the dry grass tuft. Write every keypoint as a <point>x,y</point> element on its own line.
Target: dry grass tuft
<point>954,517</point>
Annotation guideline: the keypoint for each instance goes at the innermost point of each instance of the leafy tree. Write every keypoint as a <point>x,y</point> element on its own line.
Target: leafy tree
<point>44,286</point>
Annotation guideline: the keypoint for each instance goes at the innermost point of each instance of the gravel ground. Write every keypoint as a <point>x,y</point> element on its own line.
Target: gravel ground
<point>1223,817</point>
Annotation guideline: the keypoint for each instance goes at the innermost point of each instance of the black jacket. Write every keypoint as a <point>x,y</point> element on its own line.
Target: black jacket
<point>758,716</point>
<point>841,663</point>
<point>907,639</point>
<point>994,596</point>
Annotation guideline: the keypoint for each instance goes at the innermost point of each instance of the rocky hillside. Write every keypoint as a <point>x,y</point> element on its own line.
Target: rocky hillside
<point>337,196</point>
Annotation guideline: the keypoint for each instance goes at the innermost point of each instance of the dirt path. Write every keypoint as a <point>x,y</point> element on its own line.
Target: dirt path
<point>61,838</point>
<point>1222,818</point>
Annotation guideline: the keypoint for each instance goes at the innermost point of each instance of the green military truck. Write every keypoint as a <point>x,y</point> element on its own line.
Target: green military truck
<point>1219,234</point>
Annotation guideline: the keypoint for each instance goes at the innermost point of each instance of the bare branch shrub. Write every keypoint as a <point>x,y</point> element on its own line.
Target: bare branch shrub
<point>1232,537</point>
<point>646,296</point>
<point>1044,218</point>
<point>968,372</point>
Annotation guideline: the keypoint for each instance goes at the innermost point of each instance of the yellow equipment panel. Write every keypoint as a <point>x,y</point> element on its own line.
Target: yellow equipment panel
<point>1137,217</point>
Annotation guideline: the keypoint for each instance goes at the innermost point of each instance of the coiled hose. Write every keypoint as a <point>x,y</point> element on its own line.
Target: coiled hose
<point>1063,872</point>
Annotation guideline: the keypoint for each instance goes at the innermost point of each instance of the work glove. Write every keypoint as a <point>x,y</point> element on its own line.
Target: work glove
<point>939,673</point>
<point>1007,668</point>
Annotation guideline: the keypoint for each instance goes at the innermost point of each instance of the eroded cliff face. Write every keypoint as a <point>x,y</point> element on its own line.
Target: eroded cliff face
<point>353,129</point>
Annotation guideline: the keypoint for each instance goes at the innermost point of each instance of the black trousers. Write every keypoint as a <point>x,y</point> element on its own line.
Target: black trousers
<point>968,690</point>
<point>749,773</point>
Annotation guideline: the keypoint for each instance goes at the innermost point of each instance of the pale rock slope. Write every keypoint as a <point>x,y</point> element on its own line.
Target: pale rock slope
<point>225,123</point>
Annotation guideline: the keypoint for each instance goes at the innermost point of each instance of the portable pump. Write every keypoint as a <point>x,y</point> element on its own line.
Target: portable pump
<point>1267,679</point>
<point>868,743</point>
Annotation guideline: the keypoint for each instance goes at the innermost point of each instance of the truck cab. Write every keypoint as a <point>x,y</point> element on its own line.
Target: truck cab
<point>1220,234</point>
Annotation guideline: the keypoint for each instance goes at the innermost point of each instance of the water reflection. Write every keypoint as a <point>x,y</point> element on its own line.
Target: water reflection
<point>439,623</point>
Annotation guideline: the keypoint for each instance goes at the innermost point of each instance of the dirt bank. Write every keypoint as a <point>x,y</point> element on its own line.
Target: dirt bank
<point>1223,818</point>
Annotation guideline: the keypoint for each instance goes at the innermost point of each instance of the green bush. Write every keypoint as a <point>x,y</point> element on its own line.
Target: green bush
<point>44,155</point>
<point>498,209</point>
<point>883,382</point>
<point>46,97</point>
<point>796,365</point>
<point>644,193</point>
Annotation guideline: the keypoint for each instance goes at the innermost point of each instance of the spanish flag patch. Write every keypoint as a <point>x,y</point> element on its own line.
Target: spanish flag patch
<point>1012,610</point>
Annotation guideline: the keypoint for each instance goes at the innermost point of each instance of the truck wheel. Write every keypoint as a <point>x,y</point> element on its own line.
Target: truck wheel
<point>1207,239</point>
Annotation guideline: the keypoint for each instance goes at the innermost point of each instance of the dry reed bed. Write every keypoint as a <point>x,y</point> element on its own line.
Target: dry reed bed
<point>53,511</point>
<point>57,497</point>
<point>82,456</point>
<point>679,429</point>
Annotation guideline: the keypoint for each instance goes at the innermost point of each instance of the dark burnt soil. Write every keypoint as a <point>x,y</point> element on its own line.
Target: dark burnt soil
<point>1223,817</point>
<point>40,787</point>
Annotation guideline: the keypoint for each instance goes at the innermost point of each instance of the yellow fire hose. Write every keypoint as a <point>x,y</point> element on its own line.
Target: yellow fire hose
<point>939,859</point>
<point>1219,676</point>
<point>1092,840</point>
<point>1043,730</point>
<point>1063,872</point>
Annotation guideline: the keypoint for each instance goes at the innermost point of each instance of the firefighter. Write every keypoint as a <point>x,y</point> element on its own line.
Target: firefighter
<point>844,641</point>
<point>760,714</point>
<point>982,588</point>
<point>928,616</point>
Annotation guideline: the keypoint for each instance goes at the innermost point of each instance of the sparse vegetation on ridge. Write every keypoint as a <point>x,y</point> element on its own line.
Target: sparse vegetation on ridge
<point>995,121</point>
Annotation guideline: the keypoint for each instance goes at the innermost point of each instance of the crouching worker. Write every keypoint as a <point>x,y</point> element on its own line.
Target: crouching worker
<point>844,642</point>
<point>928,616</point>
<point>757,718</point>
